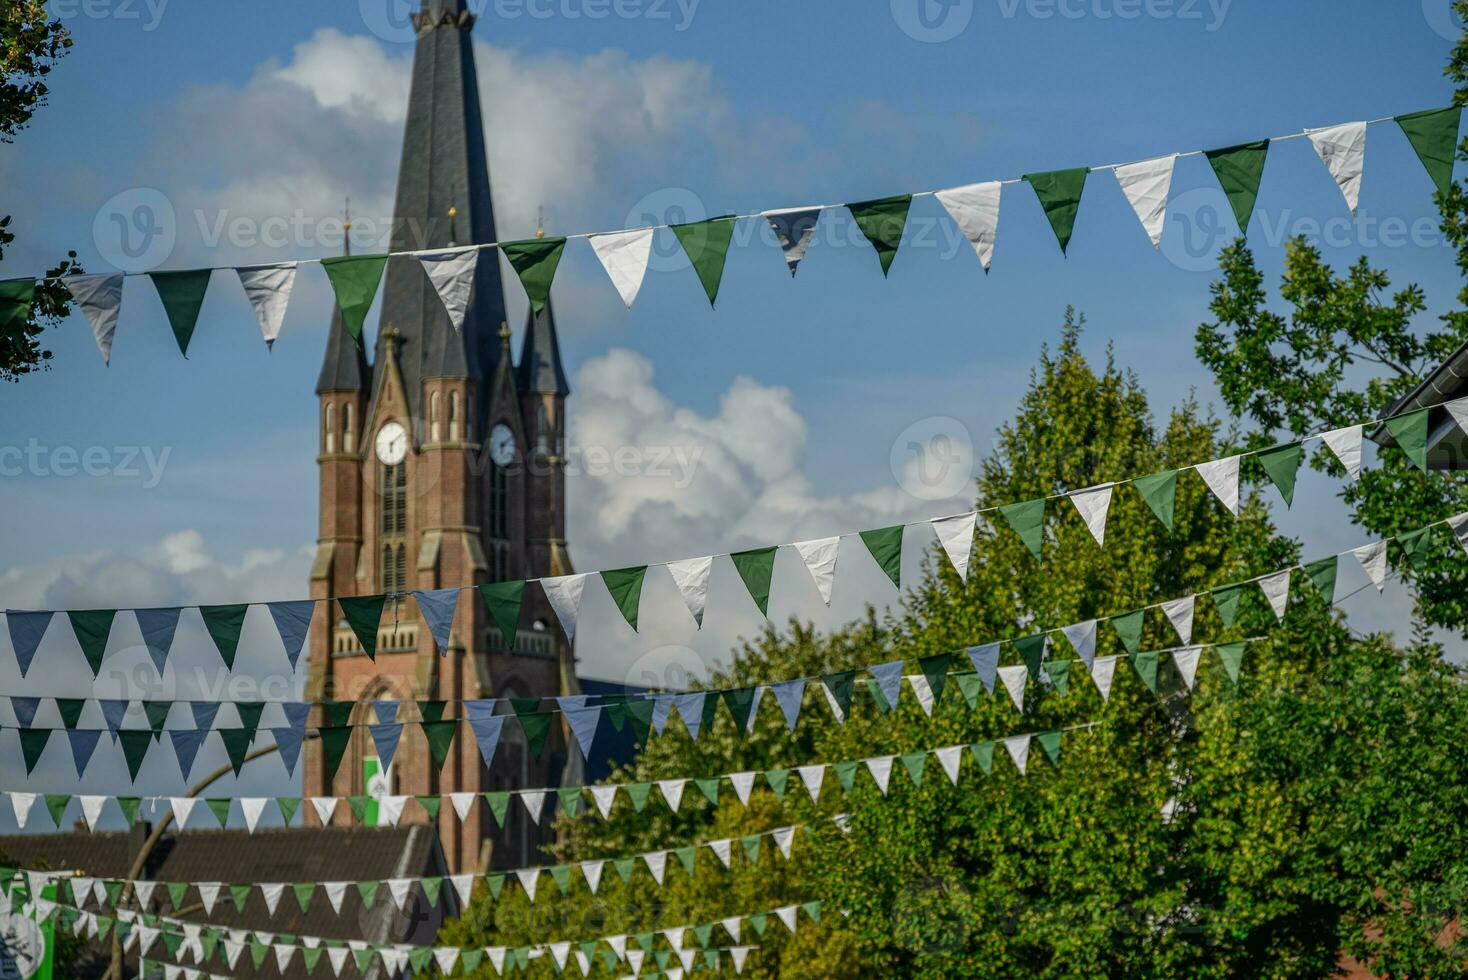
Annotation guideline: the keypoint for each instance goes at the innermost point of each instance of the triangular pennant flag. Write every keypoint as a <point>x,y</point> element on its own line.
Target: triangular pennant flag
<point>1433,133</point>
<point>535,262</point>
<point>1410,433</point>
<point>236,743</point>
<point>504,600</point>
<point>1343,151</point>
<point>1373,562</point>
<point>1013,678</point>
<point>83,744</point>
<point>692,579</point>
<point>334,741</point>
<point>56,804</point>
<point>92,809</point>
<point>1346,444</point>
<point>657,864</point>
<point>889,681</point>
<point>950,759</point>
<point>915,763</point>
<point>1028,521</point>
<point>92,627</point>
<point>672,790</point>
<point>882,222</point>
<point>690,708</point>
<point>1459,524</point>
<point>292,621</point>
<point>25,709</point>
<point>157,627</point>
<point>1082,637</point>
<point>1060,192</point>
<point>1031,650</point>
<point>26,630</point>
<point>986,663</point>
<point>1129,627</point>
<point>385,739</point>
<point>624,256</point>
<point>1416,545</point>
<point>1186,661</point>
<point>583,722</point>
<point>1322,574</point>
<point>741,703</point>
<point>1232,655</point>
<point>975,209</point>
<point>819,556</point>
<point>625,585</point>
<point>1239,170</point>
<point>33,742</point>
<point>1159,491</point>
<point>1458,409</point>
<point>1282,463</point>
<point>224,624</point>
<point>956,535</point>
<point>354,279</point>
<point>70,710</point>
<point>462,802</point>
<point>1018,747</point>
<point>186,743</point>
<point>536,728</point>
<point>881,770</point>
<point>452,273</point>
<point>604,797</point>
<point>437,608</point>
<point>788,695</point>
<point>268,288</point>
<point>564,594</point>
<point>935,672</point>
<point>1222,477</point>
<point>1146,185</point>
<point>364,615</point>
<point>1276,589</point>
<point>182,294</point>
<point>706,243</point>
<point>100,300</point>
<point>1227,598</point>
<point>794,229</point>
<point>1180,614</point>
<point>113,710</point>
<point>1093,505</point>
<point>885,546</point>
<point>183,808</point>
<point>324,806</point>
<point>756,568</point>
<point>486,727</point>
<point>1102,672</point>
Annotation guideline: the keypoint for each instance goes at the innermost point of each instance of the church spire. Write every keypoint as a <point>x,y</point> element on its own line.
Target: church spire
<point>345,366</point>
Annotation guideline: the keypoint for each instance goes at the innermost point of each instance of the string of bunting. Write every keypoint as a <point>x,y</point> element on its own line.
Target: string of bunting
<point>92,628</point>
<point>624,254</point>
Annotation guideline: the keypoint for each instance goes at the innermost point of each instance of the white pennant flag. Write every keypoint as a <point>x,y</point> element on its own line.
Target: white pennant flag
<point>1180,615</point>
<point>1276,589</point>
<point>1014,682</point>
<point>924,692</point>
<point>564,594</point>
<point>743,783</point>
<point>324,806</point>
<point>1082,637</point>
<point>182,806</point>
<point>534,801</point>
<point>723,849</point>
<point>529,878</point>
<point>975,209</point>
<point>283,954</point>
<point>92,809</point>
<point>464,888</point>
<point>252,807</point>
<point>272,892</point>
<point>338,957</point>
<point>144,890</point>
<point>1102,672</point>
<point>390,809</point>
<point>657,864</point>
<point>672,790</point>
<point>956,535</point>
<point>100,300</point>
<point>335,891</point>
<point>1187,664</point>
<point>739,954</point>
<point>787,916</point>
<point>268,288</point>
<point>1222,477</point>
<point>1343,151</point>
<point>1018,748</point>
<point>452,273</point>
<point>561,953</point>
<point>675,936</point>
<point>950,759</point>
<point>634,960</point>
<point>1092,504</point>
<point>733,926</point>
<point>496,956</point>
<point>1346,444</point>
<point>398,889</point>
<point>603,797</point>
<point>819,556</point>
<point>1458,409</point>
<point>592,871</point>
<point>624,255</point>
<point>881,770</point>
<point>462,802</point>
<point>1459,524</point>
<point>1373,562</point>
<point>692,578</point>
<point>209,894</point>
<point>447,957</point>
<point>618,944</point>
<point>812,777</point>
<point>784,838</point>
<point>22,802</point>
<point>1146,185</point>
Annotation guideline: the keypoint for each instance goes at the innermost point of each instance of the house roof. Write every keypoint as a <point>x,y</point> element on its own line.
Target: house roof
<point>1447,445</point>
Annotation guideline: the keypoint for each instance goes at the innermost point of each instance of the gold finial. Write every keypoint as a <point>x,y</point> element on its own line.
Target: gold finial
<point>453,213</point>
<point>347,215</point>
<point>391,333</point>
<point>504,335</point>
<point>540,222</point>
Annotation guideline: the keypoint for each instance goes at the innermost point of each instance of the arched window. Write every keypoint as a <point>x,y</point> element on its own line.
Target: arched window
<point>433,428</point>
<point>349,429</point>
<point>454,416</point>
<point>393,527</point>
<point>542,431</point>
<point>330,427</point>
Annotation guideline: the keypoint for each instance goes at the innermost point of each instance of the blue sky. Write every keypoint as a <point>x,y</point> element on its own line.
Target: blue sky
<point>798,394</point>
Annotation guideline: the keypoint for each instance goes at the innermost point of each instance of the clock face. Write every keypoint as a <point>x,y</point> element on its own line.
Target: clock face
<point>502,445</point>
<point>392,444</point>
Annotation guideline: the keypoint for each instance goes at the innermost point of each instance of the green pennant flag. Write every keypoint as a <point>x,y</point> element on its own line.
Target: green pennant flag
<point>914,763</point>
<point>250,712</point>
<point>288,805</point>
<point>688,857</point>
<point>841,686</point>
<point>433,710</point>
<point>17,296</point>
<point>740,702</point>
<point>1159,491</point>
<point>778,780</point>
<point>33,743</point>
<point>935,669</point>
<point>504,600</point>
<point>113,890</point>
<point>182,294</point>
<point>363,957</point>
<point>499,805</point>
<point>813,909</point>
<point>709,787</point>
<point>1282,463</point>
<point>338,713</point>
<point>570,797</point>
<point>440,736</point>
<point>625,867</point>
<point>224,624</point>
<point>364,615</point>
<point>1226,598</point>
<point>882,222</point>
<point>759,921</point>
<point>535,263</point>
<point>92,627</point>
<point>755,569</point>
<point>496,883</point>
<point>258,950</point>
<point>333,746</point>
<point>625,585</point>
<point>236,745</point>
<point>1322,575</point>
<point>970,685</point>
<point>368,891</point>
<point>354,279</point>
<point>304,891</point>
<point>638,793</point>
<point>56,804</point>
<point>239,895</point>
<point>751,847</point>
<point>537,729</point>
<point>1232,655</point>
<point>1145,665</point>
<point>639,713</point>
<point>1129,626</point>
<point>177,891</point>
<point>470,959</point>
<point>1059,192</point>
<point>704,934</point>
<point>1050,742</point>
<point>431,806</point>
<point>886,547</point>
<point>1434,135</point>
<point>220,809</point>
<point>71,711</point>
<point>418,958</point>
<point>1028,521</point>
<point>1031,650</point>
<point>157,714</point>
<point>1417,546</point>
<point>846,774</point>
<point>1059,673</point>
<point>311,955</point>
<point>135,744</point>
<point>1410,433</point>
<point>706,243</point>
<point>1239,170</point>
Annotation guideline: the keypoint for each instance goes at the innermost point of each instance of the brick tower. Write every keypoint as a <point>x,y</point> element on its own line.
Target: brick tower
<point>441,467</point>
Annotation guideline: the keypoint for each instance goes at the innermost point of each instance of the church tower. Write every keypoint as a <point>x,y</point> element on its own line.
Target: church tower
<point>441,467</point>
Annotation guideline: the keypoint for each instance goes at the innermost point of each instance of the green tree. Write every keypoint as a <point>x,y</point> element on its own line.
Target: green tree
<point>31,43</point>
